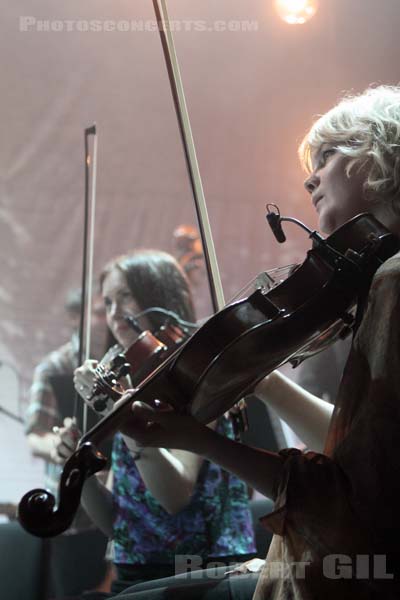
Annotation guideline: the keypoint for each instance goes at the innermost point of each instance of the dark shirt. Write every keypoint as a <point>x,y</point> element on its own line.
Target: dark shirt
<point>337,508</point>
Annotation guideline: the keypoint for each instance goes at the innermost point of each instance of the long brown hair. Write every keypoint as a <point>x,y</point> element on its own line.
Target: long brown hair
<point>155,280</point>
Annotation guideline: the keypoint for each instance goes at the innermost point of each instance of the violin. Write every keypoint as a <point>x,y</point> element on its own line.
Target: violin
<point>226,357</point>
<point>142,357</point>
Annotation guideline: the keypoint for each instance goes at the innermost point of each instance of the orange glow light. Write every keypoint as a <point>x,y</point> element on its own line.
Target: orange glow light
<point>296,12</point>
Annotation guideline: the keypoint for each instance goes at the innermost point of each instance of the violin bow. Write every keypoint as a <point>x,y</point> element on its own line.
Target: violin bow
<point>178,96</point>
<point>87,262</point>
<point>238,412</point>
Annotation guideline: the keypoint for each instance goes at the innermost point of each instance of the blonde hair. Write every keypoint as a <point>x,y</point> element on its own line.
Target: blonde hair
<point>366,128</point>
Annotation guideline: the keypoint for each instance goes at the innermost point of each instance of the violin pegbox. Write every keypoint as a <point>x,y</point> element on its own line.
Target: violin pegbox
<point>106,387</point>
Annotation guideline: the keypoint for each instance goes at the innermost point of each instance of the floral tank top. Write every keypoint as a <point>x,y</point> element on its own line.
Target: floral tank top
<point>216,522</point>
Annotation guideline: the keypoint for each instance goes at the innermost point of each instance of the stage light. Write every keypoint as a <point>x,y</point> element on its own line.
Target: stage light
<point>296,12</point>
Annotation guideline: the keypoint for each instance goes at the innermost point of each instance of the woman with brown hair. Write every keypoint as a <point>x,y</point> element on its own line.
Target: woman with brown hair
<point>163,505</point>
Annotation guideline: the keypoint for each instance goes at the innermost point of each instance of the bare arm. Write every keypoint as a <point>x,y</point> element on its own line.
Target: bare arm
<point>170,475</point>
<point>262,470</point>
<point>97,501</point>
<point>155,428</point>
<point>307,415</point>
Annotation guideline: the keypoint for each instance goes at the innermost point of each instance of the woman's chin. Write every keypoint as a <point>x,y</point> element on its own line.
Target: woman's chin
<point>127,341</point>
<point>326,222</point>
<point>325,227</point>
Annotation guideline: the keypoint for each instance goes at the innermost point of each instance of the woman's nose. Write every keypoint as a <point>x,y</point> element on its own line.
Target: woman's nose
<point>311,183</point>
<point>115,310</point>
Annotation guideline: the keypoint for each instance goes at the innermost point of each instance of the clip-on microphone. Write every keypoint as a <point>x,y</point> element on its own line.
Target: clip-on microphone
<point>274,221</point>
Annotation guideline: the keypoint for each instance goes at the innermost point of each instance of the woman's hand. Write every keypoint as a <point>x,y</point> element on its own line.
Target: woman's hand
<point>65,441</point>
<point>84,377</point>
<point>159,426</point>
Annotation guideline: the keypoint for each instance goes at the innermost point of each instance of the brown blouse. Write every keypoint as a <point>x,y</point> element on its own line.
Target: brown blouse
<point>337,518</point>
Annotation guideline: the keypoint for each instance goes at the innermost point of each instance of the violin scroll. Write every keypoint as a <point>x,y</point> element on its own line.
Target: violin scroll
<point>36,511</point>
